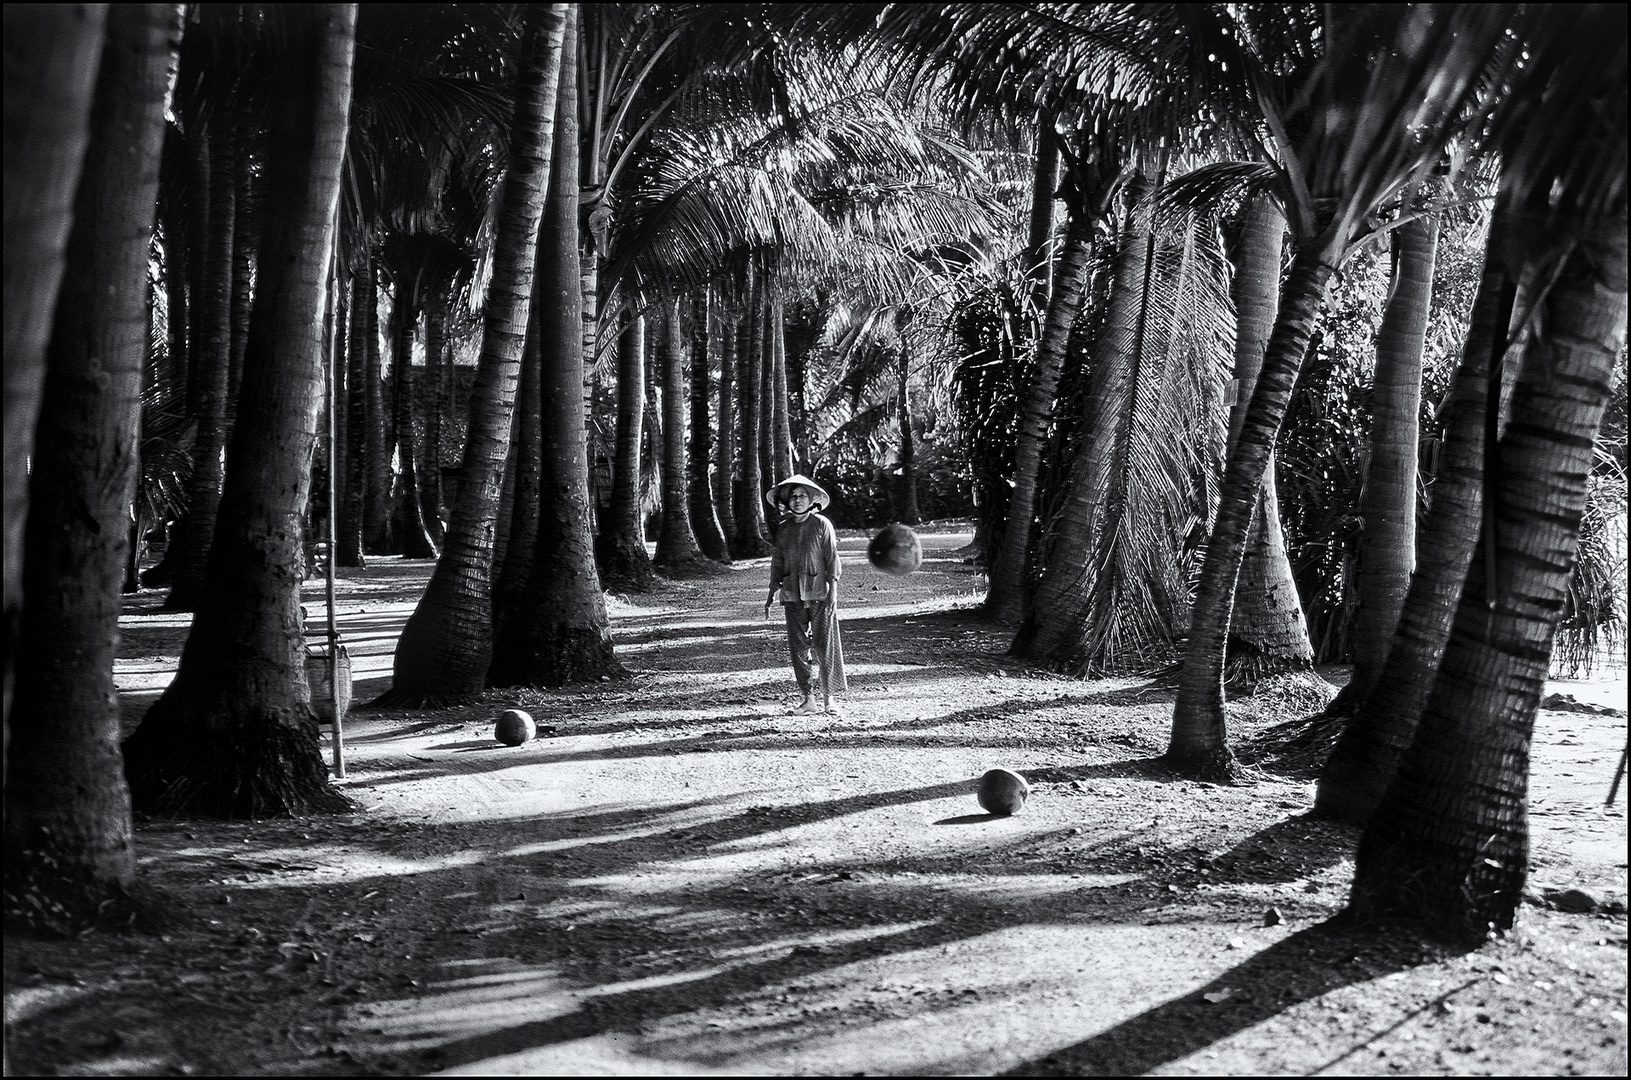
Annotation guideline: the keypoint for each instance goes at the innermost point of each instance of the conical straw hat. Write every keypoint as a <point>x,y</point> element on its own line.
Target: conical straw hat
<point>777,496</point>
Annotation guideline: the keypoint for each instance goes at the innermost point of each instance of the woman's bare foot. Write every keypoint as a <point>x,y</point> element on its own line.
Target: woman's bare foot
<point>808,705</point>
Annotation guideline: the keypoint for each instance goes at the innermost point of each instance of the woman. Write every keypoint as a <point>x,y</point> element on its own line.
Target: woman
<point>804,572</point>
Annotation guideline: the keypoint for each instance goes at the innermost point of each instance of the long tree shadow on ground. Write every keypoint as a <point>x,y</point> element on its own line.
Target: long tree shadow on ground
<point>1302,967</point>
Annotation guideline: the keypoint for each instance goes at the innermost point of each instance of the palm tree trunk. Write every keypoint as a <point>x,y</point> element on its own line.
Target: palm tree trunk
<point>676,542</point>
<point>211,358</point>
<point>68,842</point>
<point>781,424</point>
<point>44,152</point>
<point>1449,843</point>
<point>1199,743</point>
<point>1268,632</point>
<point>559,633</point>
<point>243,270</point>
<point>699,484</point>
<point>909,512</point>
<point>376,522</point>
<point>446,646</point>
<point>1054,629</point>
<point>409,520</point>
<point>349,539</point>
<point>438,375</point>
<point>1366,755</point>
<point>234,734</point>
<point>1006,599</point>
<point>1387,548</point>
<point>752,538</point>
<point>1044,186</point>
<point>725,457</point>
<point>524,471</point>
<point>622,557</point>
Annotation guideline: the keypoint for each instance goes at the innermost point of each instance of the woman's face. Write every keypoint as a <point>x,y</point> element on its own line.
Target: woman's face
<point>799,499</point>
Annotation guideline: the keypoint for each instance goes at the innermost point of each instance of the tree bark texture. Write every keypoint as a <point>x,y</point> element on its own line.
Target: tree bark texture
<point>438,388</point>
<point>700,456</point>
<point>1044,189</point>
<point>244,243</point>
<point>725,446</point>
<point>781,424</point>
<point>909,512</point>
<point>1387,547</point>
<point>234,734</point>
<point>752,538</point>
<point>1449,843</point>
<point>52,52</point>
<point>1199,743</point>
<point>68,845</point>
<point>1268,633</point>
<point>1384,722</point>
<point>210,356</point>
<point>408,515</point>
<point>524,471</point>
<point>1006,599</point>
<point>376,521</point>
<point>622,556</point>
<point>354,482</point>
<point>1055,628</point>
<point>676,541</point>
<point>446,646</point>
<point>559,632</point>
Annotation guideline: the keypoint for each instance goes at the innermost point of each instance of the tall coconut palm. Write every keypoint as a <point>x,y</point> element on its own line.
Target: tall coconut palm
<point>234,734</point>
<point>700,453</point>
<point>44,151</point>
<point>1384,721</point>
<point>676,540</point>
<point>1113,589</point>
<point>725,444</point>
<point>1268,633</point>
<point>446,646</point>
<point>559,632</point>
<point>621,546</point>
<point>1448,843</point>
<point>69,850</point>
<point>210,358</point>
<point>1363,117</point>
<point>1387,547</point>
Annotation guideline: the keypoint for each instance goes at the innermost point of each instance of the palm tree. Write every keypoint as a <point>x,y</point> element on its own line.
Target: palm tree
<point>234,734</point>
<point>1384,721</point>
<point>1007,597</point>
<point>621,548</point>
<point>1378,100</point>
<point>44,150</point>
<point>446,647</point>
<point>69,850</point>
<point>559,632</point>
<point>1113,589</point>
<point>752,532</point>
<point>677,541</point>
<point>1268,634</point>
<point>699,487</point>
<point>1448,843</point>
<point>209,358</point>
<point>1387,548</point>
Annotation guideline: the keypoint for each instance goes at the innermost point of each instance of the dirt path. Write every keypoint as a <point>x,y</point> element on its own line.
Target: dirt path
<point>685,877</point>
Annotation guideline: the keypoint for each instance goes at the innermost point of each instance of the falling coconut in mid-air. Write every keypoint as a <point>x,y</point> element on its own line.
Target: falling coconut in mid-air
<point>514,727</point>
<point>895,550</point>
<point>1002,792</point>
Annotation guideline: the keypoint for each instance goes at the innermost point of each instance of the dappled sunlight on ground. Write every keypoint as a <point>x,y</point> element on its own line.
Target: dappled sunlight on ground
<point>682,876</point>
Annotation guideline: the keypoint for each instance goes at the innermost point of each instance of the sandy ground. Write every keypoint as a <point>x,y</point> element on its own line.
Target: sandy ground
<point>682,876</point>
